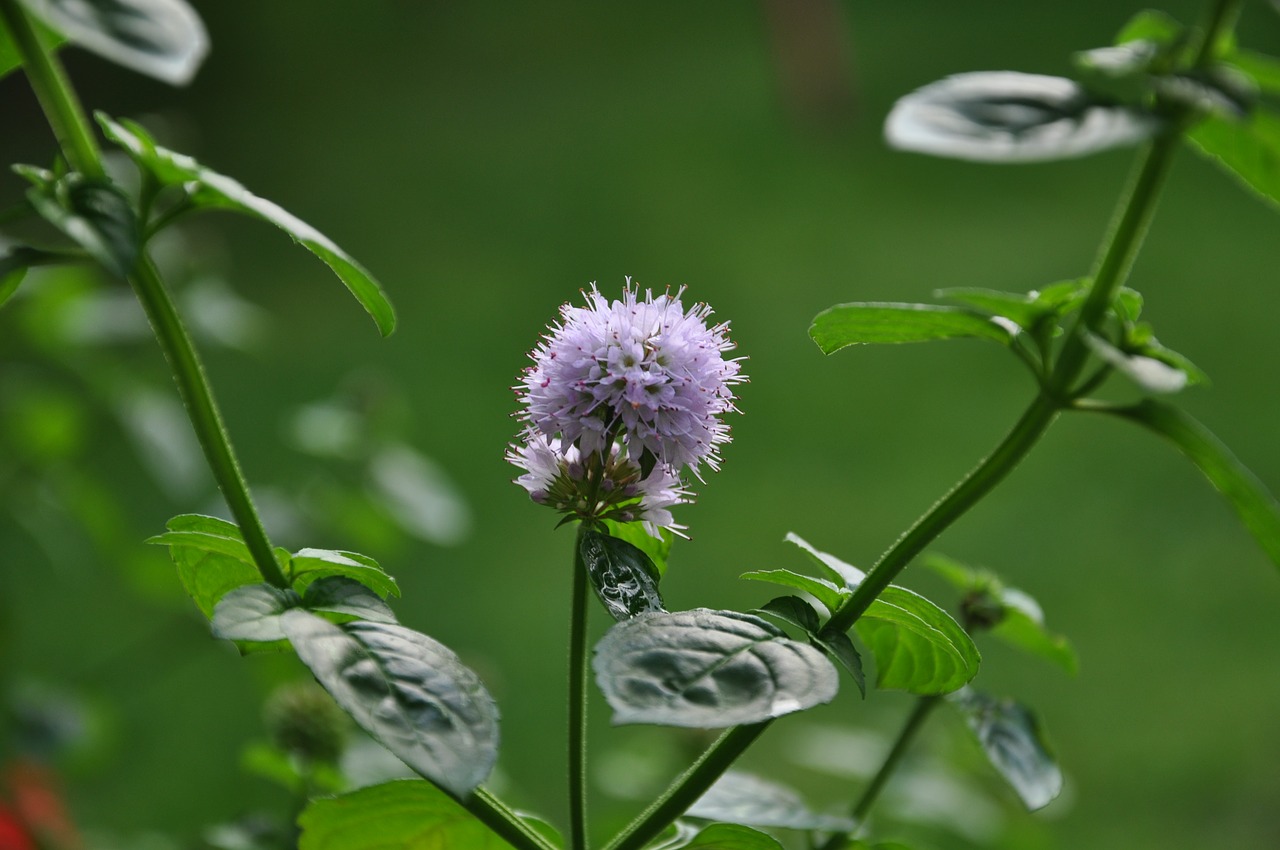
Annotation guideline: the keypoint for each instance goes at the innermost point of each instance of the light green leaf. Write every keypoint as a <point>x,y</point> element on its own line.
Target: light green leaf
<point>1248,497</point>
<point>823,590</point>
<point>726,836</point>
<point>1263,69</point>
<point>1011,736</point>
<point>406,813</point>
<point>309,565</point>
<point>408,691</point>
<point>657,548</point>
<point>208,188</point>
<point>92,213</point>
<point>918,646</point>
<point>1150,25</point>
<point>164,39</point>
<point>1248,149</point>
<point>210,556</point>
<point>870,322</point>
<point>707,669</point>
<point>749,800</point>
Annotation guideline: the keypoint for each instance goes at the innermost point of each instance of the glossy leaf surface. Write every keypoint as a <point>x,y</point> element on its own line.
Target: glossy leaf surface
<point>707,669</point>
<point>407,813</point>
<point>1150,374</point>
<point>743,798</point>
<point>252,613</point>
<point>1011,737</point>
<point>208,188</point>
<point>727,836</point>
<point>408,691</point>
<point>309,565</point>
<point>1006,116</point>
<point>871,322</point>
<point>210,556</point>
<point>93,214</point>
<point>164,39</point>
<point>657,548</point>
<point>623,577</point>
<point>1248,497</point>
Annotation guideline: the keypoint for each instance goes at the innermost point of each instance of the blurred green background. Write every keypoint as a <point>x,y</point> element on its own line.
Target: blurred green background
<point>486,161</point>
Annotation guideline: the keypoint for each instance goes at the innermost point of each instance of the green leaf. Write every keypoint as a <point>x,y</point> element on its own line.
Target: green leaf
<point>274,764</point>
<point>1021,308</point>
<point>657,548</point>
<point>749,800</point>
<point>408,691</point>
<point>1006,116</point>
<point>210,556</point>
<point>346,598</point>
<point>405,813</point>
<point>623,577</point>
<point>93,214</point>
<point>825,591</point>
<point>309,565</point>
<point>252,613</point>
<point>15,262</point>
<point>1011,736</point>
<point>726,836</point>
<point>164,39</point>
<point>11,60</point>
<point>1150,374</point>
<point>865,323</point>
<point>918,646</point>
<point>208,188</point>
<point>707,669</point>
<point>793,610</point>
<point>840,649</point>
<point>1249,149</point>
<point>1262,69</point>
<point>1248,497</point>
<point>1150,25</point>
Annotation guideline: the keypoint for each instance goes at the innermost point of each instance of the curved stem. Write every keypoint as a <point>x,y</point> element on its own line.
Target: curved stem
<point>578,701</point>
<point>924,707</point>
<point>58,100</point>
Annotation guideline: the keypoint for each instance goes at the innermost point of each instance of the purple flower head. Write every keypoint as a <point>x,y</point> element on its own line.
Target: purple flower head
<point>648,373</point>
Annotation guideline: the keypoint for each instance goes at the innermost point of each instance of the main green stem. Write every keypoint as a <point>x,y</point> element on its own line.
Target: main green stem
<point>75,135</point>
<point>1134,215</point>
<point>578,701</point>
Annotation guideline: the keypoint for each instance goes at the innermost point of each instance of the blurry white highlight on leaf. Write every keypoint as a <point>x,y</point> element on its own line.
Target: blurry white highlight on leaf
<point>217,313</point>
<point>419,495</point>
<point>1007,116</point>
<point>327,430</point>
<point>838,750</point>
<point>1147,372</point>
<point>162,435</point>
<point>934,796</point>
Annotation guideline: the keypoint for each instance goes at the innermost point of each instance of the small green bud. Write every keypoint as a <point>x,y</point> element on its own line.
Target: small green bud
<point>303,720</point>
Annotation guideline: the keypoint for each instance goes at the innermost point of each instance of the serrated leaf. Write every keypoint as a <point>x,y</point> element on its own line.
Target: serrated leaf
<point>208,188</point>
<point>749,800</point>
<point>252,613</point>
<point>623,577</point>
<point>823,590</point>
<point>94,214</point>
<point>164,39</point>
<point>1152,375</point>
<point>707,669</point>
<point>407,813</point>
<point>1011,736</point>
<point>1249,150</point>
<point>872,323</point>
<point>657,548</point>
<point>408,691</point>
<point>210,556</point>
<point>726,836</point>
<point>1006,116</point>
<point>309,565</point>
<point>1248,497</point>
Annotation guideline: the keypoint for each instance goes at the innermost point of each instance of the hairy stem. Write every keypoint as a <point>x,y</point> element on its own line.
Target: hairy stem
<point>578,700</point>
<point>506,823</point>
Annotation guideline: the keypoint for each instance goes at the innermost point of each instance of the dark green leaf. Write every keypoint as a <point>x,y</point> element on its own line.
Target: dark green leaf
<point>835,643</point>
<point>707,669</point>
<point>866,323</point>
<point>1152,375</point>
<point>210,556</point>
<point>1248,497</point>
<point>623,577</point>
<point>841,650</point>
<point>252,613</point>
<point>211,189</point>
<point>657,548</point>
<point>1248,149</point>
<point>309,565</point>
<point>742,798</point>
<point>823,590</point>
<point>93,214</point>
<point>1010,735</point>
<point>1006,116</point>
<point>793,610</point>
<point>347,598</point>
<point>726,836</point>
<point>406,813</point>
<point>406,690</point>
<point>164,39</point>
<point>14,265</point>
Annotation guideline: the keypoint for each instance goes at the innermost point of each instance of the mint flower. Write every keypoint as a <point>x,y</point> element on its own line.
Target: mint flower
<point>646,372</point>
<point>622,396</point>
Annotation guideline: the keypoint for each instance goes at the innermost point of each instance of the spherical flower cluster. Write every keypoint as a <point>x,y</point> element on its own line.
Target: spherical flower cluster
<point>634,385</point>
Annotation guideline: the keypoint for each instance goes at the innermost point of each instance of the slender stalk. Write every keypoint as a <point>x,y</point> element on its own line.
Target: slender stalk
<point>506,823</point>
<point>862,808</point>
<point>578,701</point>
<point>53,90</point>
